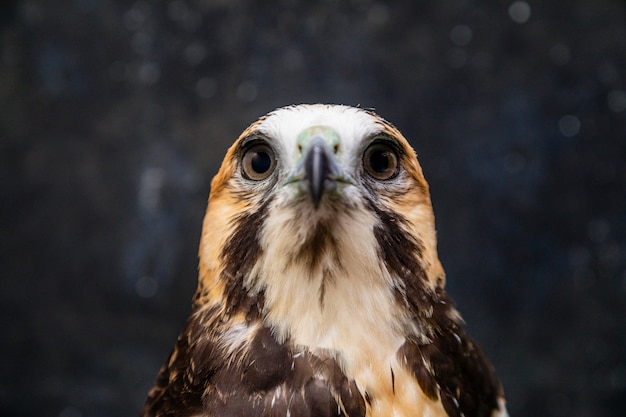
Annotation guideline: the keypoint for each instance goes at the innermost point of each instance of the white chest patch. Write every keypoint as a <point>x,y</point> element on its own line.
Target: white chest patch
<point>330,292</point>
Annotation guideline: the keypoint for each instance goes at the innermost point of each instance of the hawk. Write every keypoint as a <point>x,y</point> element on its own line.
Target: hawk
<point>320,289</point>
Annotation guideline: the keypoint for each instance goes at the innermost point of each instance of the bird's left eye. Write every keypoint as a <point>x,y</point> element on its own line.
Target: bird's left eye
<point>258,162</point>
<point>380,160</point>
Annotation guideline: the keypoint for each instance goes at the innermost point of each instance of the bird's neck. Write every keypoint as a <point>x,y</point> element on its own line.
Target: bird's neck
<point>329,290</point>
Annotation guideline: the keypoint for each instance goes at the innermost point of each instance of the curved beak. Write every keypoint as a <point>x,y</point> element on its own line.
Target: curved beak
<point>320,168</point>
<point>318,171</point>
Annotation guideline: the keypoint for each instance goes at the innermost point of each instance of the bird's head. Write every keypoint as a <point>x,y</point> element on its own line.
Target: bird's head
<point>318,202</point>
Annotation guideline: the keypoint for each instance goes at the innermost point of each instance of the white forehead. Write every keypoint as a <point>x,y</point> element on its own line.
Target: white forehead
<point>352,124</point>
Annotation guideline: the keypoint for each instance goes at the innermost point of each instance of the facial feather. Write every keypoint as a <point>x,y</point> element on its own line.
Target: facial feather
<point>355,127</point>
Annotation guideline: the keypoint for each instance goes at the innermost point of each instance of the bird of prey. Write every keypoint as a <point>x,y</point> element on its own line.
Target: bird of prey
<point>320,289</point>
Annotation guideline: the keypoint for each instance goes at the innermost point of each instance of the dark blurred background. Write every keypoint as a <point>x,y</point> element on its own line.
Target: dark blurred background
<point>114,116</point>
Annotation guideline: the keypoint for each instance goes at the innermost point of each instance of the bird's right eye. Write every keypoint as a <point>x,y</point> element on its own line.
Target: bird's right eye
<point>258,162</point>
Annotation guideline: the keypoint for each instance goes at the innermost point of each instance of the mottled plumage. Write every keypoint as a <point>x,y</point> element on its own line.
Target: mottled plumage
<point>320,289</point>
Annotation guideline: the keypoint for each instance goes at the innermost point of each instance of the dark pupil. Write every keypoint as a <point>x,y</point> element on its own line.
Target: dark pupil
<point>261,162</point>
<point>379,161</point>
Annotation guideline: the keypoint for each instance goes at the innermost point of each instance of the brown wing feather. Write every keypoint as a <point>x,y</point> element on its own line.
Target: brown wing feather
<point>453,367</point>
<point>266,379</point>
<point>181,381</point>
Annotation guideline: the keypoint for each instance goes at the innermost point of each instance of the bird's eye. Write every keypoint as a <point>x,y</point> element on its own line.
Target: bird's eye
<point>380,160</point>
<point>258,162</point>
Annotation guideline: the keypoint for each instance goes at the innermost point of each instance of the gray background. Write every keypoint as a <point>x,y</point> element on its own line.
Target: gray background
<point>114,116</point>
